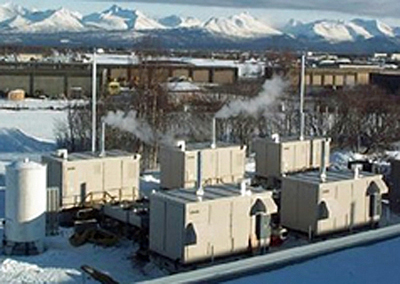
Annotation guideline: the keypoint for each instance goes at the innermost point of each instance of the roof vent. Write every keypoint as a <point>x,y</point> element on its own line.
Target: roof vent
<point>181,144</point>
<point>243,186</point>
<point>356,169</point>
<point>62,153</point>
<point>275,137</point>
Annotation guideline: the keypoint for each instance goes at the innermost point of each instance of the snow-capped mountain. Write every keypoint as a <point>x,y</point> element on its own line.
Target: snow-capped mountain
<point>10,10</point>
<point>396,31</point>
<point>52,21</point>
<point>242,31</point>
<point>339,31</point>
<point>117,18</point>
<point>375,28</point>
<point>58,21</point>
<point>328,30</point>
<point>180,22</point>
<point>242,25</point>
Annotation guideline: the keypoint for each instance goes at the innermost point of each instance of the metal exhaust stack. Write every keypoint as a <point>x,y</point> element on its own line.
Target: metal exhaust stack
<point>302,86</point>
<point>199,183</point>
<point>103,139</point>
<point>214,133</point>
<point>322,172</point>
<point>94,101</point>
<point>357,168</point>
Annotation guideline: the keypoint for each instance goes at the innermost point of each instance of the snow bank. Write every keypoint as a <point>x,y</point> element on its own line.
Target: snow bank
<point>40,124</point>
<point>14,140</point>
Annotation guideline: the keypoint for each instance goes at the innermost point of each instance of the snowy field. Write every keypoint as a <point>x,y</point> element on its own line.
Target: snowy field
<point>40,124</point>
<point>28,133</point>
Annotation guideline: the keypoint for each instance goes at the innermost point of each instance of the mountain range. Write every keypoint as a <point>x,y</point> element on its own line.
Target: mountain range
<point>119,25</point>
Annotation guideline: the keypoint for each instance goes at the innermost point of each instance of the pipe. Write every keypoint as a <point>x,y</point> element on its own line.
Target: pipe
<point>243,187</point>
<point>214,133</point>
<point>302,83</point>
<point>103,139</point>
<point>322,172</point>
<point>94,100</point>
<point>199,182</point>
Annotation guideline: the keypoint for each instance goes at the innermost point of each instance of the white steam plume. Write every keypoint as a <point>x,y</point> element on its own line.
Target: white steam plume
<point>272,89</point>
<point>130,123</point>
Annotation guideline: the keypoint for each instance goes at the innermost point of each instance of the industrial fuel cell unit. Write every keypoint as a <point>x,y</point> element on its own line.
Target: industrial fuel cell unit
<point>277,156</point>
<point>336,200</point>
<point>88,177</point>
<point>225,220</point>
<point>224,163</point>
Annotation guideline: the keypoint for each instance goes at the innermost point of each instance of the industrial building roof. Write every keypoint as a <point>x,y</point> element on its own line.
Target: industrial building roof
<point>313,177</point>
<point>210,193</point>
<point>207,145</point>
<point>91,156</point>
<point>292,138</point>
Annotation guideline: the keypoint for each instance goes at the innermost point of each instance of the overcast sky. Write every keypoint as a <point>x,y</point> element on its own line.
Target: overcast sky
<point>274,12</point>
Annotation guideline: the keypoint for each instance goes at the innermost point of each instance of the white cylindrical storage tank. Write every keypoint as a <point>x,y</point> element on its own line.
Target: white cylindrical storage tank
<point>25,207</point>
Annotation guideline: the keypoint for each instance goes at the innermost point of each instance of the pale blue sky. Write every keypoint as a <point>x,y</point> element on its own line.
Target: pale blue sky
<point>272,16</point>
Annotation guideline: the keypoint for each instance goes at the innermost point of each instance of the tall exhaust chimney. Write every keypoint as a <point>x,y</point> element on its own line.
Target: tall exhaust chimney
<point>103,139</point>
<point>322,172</point>
<point>302,86</point>
<point>199,183</point>
<point>214,133</point>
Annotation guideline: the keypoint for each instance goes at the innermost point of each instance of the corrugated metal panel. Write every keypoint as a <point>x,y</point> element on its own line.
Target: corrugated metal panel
<point>287,156</point>
<point>116,175</point>
<point>220,165</point>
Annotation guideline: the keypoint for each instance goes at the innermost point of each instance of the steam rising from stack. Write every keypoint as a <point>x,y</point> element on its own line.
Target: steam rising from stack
<point>272,89</point>
<point>131,123</point>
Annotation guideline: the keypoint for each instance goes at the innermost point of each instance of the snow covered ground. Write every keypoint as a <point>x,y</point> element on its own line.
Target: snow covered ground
<point>61,263</point>
<point>34,104</point>
<point>37,123</point>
